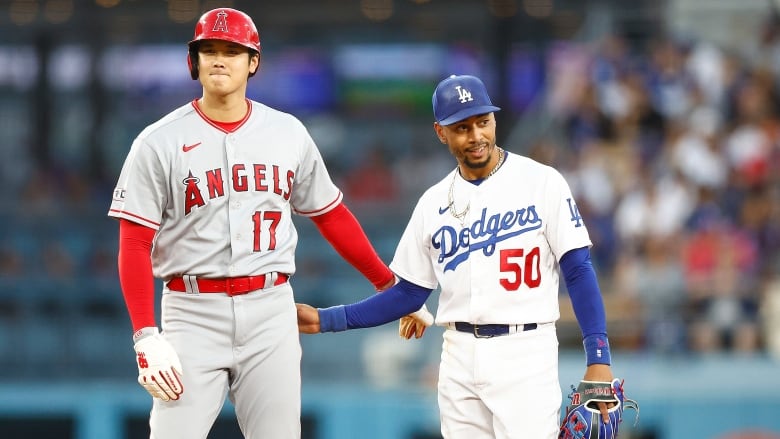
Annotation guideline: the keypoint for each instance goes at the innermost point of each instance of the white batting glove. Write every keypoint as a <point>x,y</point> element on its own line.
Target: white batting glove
<point>415,323</point>
<point>159,368</point>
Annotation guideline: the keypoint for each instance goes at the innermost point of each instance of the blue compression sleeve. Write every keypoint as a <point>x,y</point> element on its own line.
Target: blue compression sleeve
<point>392,304</point>
<point>583,288</point>
<point>332,319</point>
<point>395,302</point>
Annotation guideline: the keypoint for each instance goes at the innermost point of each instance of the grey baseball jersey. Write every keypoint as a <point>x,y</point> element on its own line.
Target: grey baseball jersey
<point>222,201</point>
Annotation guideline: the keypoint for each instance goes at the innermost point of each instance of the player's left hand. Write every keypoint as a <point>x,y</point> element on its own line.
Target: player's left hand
<point>603,373</point>
<point>583,418</point>
<point>415,323</point>
<point>308,319</point>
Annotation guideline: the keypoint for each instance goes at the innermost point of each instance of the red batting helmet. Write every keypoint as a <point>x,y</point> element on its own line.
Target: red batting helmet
<point>224,24</point>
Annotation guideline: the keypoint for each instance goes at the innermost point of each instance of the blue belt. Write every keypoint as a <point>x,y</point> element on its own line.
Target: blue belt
<point>487,331</point>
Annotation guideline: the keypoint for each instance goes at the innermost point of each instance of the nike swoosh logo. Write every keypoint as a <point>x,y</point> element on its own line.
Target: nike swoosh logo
<point>444,209</point>
<point>186,148</point>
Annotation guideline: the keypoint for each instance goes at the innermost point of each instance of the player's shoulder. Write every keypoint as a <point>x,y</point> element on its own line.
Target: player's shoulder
<point>169,121</point>
<point>519,160</point>
<point>274,115</point>
<point>526,166</point>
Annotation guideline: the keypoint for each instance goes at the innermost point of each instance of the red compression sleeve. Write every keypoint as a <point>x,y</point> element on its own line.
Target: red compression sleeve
<point>135,272</point>
<point>344,233</point>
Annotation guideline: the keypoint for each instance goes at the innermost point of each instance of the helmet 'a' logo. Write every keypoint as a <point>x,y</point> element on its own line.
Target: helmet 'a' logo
<point>463,95</point>
<point>221,25</point>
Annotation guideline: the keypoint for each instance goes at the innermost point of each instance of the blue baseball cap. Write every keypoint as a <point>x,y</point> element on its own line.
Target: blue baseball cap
<point>460,97</point>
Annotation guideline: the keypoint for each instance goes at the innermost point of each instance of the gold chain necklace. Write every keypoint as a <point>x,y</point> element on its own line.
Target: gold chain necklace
<point>498,164</point>
<point>460,216</point>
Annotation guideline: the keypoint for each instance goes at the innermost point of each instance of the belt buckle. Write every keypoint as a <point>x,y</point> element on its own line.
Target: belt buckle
<point>478,335</point>
<point>236,283</point>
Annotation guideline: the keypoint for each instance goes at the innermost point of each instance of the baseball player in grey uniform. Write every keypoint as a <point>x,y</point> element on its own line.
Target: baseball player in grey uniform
<point>494,234</point>
<point>204,202</point>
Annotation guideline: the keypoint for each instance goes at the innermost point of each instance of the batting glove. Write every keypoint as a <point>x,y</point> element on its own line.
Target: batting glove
<point>415,323</point>
<point>159,368</point>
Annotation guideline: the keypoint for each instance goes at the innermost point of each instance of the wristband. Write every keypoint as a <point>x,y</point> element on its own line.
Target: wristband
<point>333,319</point>
<point>145,332</point>
<point>597,349</point>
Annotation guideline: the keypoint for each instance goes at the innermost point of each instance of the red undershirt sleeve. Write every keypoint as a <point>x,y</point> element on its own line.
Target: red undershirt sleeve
<point>342,230</point>
<point>135,272</point>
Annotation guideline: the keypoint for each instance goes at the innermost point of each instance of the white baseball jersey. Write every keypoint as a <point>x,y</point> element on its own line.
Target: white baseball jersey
<point>222,202</point>
<point>499,265</point>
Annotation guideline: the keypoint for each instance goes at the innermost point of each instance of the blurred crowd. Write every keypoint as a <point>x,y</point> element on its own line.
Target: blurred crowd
<point>674,156</point>
<point>672,150</point>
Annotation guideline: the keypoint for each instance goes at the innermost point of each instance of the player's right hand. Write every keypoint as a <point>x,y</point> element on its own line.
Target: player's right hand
<point>414,324</point>
<point>159,368</point>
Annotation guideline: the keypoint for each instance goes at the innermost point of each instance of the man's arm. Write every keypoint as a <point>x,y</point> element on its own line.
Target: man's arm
<point>588,305</point>
<point>342,230</point>
<point>159,368</point>
<point>585,294</point>
<point>135,272</point>
<point>399,300</point>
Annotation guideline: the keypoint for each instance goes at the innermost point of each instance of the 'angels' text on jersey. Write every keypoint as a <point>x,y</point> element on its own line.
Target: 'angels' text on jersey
<point>240,178</point>
<point>483,234</point>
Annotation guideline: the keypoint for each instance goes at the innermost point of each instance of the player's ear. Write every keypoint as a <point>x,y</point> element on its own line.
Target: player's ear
<point>192,63</point>
<point>439,132</point>
<point>254,63</point>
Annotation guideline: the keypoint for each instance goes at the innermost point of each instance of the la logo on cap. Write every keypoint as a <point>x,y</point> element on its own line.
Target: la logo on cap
<point>463,94</point>
<point>459,97</point>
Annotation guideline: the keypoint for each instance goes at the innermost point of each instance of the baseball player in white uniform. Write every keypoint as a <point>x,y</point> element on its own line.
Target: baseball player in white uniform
<point>494,235</point>
<point>204,202</point>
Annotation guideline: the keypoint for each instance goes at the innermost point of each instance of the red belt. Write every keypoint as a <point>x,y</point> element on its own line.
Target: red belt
<point>232,286</point>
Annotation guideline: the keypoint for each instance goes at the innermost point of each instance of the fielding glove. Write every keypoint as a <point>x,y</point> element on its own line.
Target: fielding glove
<point>415,323</point>
<point>159,368</point>
<point>583,419</point>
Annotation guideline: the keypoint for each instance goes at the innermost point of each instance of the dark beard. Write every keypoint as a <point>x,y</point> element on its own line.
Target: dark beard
<point>482,164</point>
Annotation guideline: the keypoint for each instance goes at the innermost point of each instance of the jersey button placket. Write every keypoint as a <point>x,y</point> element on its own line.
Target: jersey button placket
<point>234,212</point>
<point>471,264</point>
